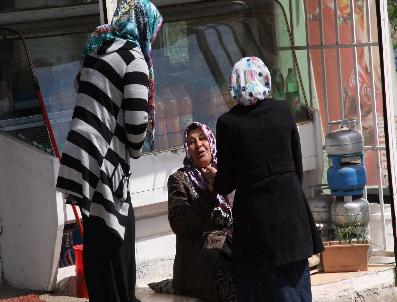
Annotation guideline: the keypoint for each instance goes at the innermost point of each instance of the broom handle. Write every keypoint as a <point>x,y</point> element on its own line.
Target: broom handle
<point>76,215</point>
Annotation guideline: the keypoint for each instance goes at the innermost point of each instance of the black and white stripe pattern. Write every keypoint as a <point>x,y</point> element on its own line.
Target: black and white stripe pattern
<point>108,127</point>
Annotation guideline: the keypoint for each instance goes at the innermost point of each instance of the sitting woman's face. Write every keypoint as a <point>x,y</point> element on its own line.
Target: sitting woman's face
<point>199,148</point>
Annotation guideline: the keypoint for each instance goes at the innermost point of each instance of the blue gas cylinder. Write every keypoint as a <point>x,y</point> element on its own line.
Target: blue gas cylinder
<point>345,178</point>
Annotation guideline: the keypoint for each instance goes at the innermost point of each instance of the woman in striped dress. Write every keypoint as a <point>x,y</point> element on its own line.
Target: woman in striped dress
<point>112,116</point>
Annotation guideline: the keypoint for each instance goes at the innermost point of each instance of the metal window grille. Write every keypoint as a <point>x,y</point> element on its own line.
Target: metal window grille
<point>368,43</point>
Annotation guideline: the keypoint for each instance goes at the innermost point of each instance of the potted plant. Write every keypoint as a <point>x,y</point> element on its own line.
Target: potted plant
<point>349,252</point>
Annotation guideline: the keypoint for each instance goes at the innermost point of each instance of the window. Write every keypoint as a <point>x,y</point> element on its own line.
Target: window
<point>12,5</point>
<point>55,47</point>
<point>193,57</point>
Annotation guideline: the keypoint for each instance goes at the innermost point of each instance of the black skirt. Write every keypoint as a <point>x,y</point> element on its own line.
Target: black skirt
<point>109,262</point>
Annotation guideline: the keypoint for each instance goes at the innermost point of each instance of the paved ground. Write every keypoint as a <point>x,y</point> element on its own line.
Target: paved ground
<point>7,292</point>
<point>28,298</point>
<point>375,285</point>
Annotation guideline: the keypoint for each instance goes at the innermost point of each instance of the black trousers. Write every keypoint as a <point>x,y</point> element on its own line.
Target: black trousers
<point>287,283</point>
<point>109,263</point>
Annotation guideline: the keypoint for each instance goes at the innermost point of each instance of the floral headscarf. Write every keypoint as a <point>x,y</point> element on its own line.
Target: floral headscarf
<point>250,81</point>
<point>223,210</point>
<point>137,21</point>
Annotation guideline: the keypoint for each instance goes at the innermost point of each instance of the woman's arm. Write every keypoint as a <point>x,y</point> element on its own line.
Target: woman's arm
<point>224,182</point>
<point>189,217</point>
<point>136,83</point>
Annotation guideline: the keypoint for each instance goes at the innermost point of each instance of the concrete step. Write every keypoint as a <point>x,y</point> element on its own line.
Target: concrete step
<point>374,285</point>
<point>144,294</point>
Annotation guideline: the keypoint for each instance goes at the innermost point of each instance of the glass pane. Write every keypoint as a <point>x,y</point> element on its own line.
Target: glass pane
<point>57,62</point>
<point>350,100</point>
<point>372,169</point>
<point>328,21</point>
<point>56,52</point>
<point>29,4</point>
<point>194,54</point>
<point>331,67</point>
<point>385,172</point>
<point>313,21</point>
<point>362,22</point>
<point>317,74</point>
<point>282,36</point>
<point>20,112</point>
<point>345,22</point>
<point>373,21</point>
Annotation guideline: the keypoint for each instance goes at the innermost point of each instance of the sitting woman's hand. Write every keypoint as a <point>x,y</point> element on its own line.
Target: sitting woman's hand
<point>209,174</point>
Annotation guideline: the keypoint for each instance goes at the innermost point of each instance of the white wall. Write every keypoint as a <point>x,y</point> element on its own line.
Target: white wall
<point>32,215</point>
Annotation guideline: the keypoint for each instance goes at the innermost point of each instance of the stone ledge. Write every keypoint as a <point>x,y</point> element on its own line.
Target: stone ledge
<point>375,285</point>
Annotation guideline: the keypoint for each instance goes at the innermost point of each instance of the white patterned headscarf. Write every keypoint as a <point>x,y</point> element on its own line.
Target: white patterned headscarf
<point>250,81</point>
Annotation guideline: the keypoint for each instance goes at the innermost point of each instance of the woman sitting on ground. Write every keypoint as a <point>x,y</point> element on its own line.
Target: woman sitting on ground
<point>202,223</point>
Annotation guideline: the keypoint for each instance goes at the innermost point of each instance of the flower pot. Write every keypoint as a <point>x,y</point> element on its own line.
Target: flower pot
<point>344,257</point>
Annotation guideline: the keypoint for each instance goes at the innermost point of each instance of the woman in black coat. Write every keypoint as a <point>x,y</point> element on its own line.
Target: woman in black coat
<point>259,156</point>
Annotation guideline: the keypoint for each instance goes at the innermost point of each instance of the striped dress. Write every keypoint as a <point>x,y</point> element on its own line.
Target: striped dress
<point>108,127</point>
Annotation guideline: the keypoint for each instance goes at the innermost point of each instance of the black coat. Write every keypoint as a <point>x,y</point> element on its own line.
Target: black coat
<point>259,155</point>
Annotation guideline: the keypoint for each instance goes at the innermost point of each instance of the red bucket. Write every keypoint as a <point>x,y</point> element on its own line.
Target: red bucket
<point>81,289</point>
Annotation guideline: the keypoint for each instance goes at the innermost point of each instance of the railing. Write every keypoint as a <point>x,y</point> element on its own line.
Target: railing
<point>366,43</point>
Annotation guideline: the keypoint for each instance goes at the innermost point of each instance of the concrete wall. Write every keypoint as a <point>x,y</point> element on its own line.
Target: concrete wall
<point>31,213</point>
